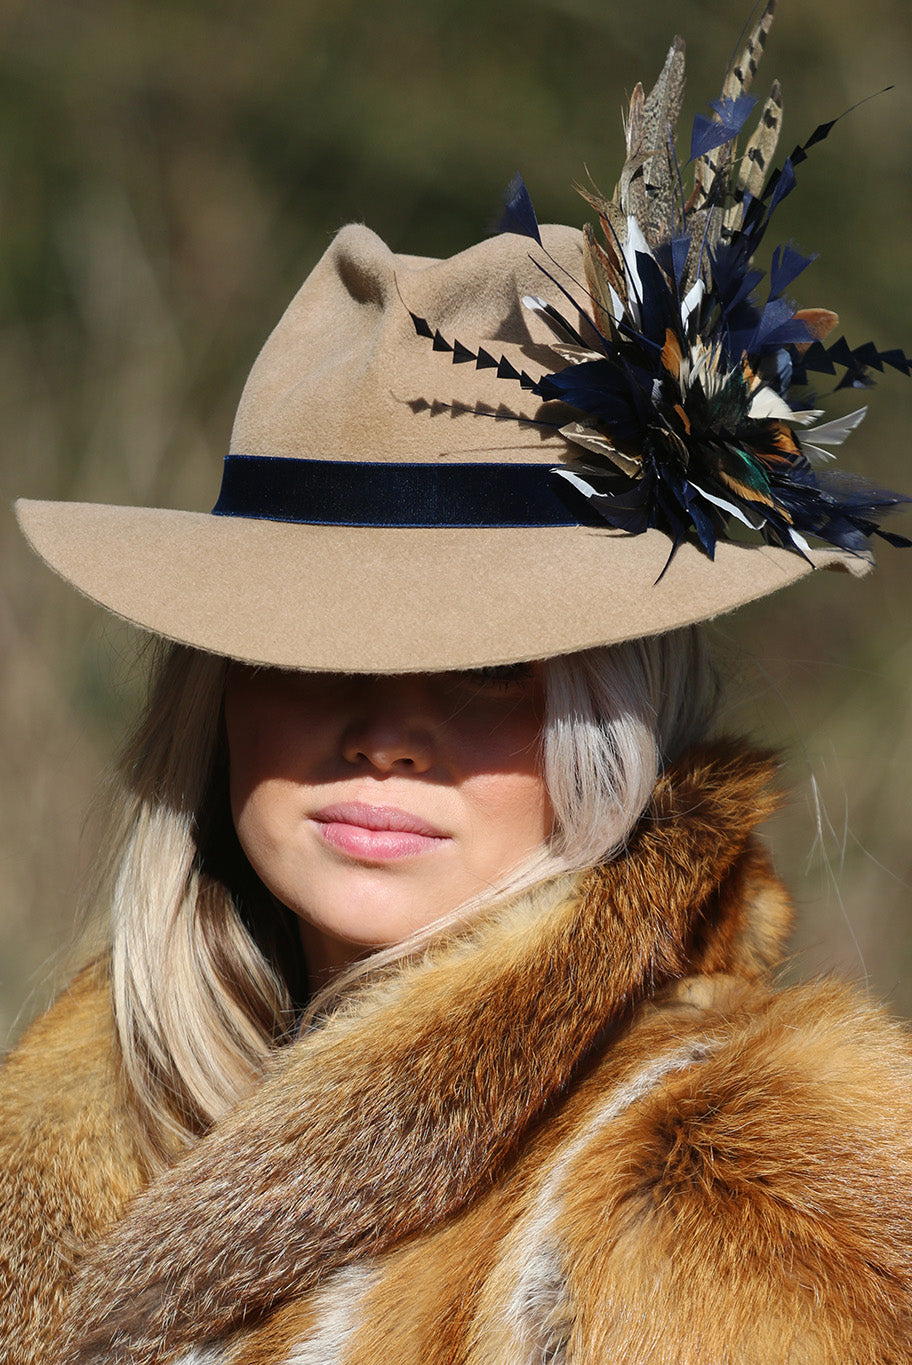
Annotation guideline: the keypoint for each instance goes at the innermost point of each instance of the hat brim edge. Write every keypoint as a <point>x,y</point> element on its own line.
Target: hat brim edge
<point>349,599</point>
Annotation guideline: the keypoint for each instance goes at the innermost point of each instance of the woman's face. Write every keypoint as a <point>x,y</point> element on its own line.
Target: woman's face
<point>371,806</point>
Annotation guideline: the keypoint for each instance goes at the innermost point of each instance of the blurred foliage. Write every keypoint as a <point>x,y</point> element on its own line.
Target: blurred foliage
<point>169,174</point>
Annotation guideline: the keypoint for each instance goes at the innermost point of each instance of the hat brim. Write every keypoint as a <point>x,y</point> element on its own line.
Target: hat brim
<point>351,599</point>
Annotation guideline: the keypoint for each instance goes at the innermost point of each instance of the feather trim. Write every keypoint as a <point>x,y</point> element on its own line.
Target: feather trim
<point>691,387</point>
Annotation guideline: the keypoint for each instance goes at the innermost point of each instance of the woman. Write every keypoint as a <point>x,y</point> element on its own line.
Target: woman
<point>437,1020</point>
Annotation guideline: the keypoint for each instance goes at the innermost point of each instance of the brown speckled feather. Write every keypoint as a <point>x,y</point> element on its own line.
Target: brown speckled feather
<point>660,115</point>
<point>711,170</point>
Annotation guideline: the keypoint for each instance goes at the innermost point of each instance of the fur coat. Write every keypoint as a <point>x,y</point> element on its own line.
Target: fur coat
<point>589,1131</point>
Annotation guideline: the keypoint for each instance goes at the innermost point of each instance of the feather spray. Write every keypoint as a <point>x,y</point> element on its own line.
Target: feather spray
<point>689,387</point>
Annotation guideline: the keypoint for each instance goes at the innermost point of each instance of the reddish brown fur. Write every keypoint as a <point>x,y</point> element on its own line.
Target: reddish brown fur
<point>408,1138</point>
<point>752,1209</point>
<point>759,1202</point>
<point>67,1161</point>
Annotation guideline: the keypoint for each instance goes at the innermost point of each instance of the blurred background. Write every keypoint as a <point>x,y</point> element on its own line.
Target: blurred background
<point>169,172</point>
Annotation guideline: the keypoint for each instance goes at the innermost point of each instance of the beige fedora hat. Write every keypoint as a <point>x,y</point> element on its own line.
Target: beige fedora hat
<point>385,509</point>
<point>548,442</point>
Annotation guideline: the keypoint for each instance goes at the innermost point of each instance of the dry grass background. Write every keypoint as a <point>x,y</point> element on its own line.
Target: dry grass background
<point>169,174</point>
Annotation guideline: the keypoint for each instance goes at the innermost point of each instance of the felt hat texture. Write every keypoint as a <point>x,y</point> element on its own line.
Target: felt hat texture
<point>346,378</point>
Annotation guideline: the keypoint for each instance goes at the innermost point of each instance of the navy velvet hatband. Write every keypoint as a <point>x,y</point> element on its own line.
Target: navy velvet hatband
<point>363,493</point>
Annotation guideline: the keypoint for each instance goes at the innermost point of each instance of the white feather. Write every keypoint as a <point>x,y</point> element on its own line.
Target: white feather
<point>575,355</point>
<point>835,432</point>
<point>616,304</point>
<point>540,308</point>
<point>767,403</point>
<point>816,454</point>
<point>799,540</point>
<point>579,484</point>
<point>692,301</point>
<point>754,523</point>
<point>807,415</point>
<point>635,245</point>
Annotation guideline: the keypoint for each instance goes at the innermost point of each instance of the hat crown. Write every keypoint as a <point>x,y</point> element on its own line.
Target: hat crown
<point>344,376</point>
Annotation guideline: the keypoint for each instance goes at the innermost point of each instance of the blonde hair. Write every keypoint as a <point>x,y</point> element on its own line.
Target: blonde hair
<point>208,975</point>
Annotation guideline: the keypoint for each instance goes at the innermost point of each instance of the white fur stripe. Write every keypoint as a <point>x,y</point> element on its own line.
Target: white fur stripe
<point>636,1088</point>
<point>201,1355</point>
<point>338,1306</point>
<point>537,1312</point>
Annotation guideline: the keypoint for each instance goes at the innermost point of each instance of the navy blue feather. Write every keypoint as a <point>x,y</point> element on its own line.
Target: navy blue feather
<point>518,214</point>
<point>708,134</point>
<point>786,266</point>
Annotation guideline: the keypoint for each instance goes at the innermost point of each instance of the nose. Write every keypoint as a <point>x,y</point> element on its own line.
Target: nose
<point>392,728</point>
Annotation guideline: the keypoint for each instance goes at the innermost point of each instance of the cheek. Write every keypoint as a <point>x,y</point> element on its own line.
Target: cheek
<point>511,814</point>
<point>260,809</point>
<point>256,810</point>
<point>249,759</point>
<point>261,796</point>
<point>506,793</point>
<point>268,814</point>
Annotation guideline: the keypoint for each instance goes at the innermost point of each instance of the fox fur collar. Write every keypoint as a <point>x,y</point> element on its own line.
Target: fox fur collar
<point>428,1095</point>
<point>409,1102</point>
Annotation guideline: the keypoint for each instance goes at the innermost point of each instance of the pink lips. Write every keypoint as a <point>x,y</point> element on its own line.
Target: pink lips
<point>376,833</point>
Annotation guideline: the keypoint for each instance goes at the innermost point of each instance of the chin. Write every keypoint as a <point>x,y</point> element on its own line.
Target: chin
<point>370,907</point>
<point>370,918</point>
